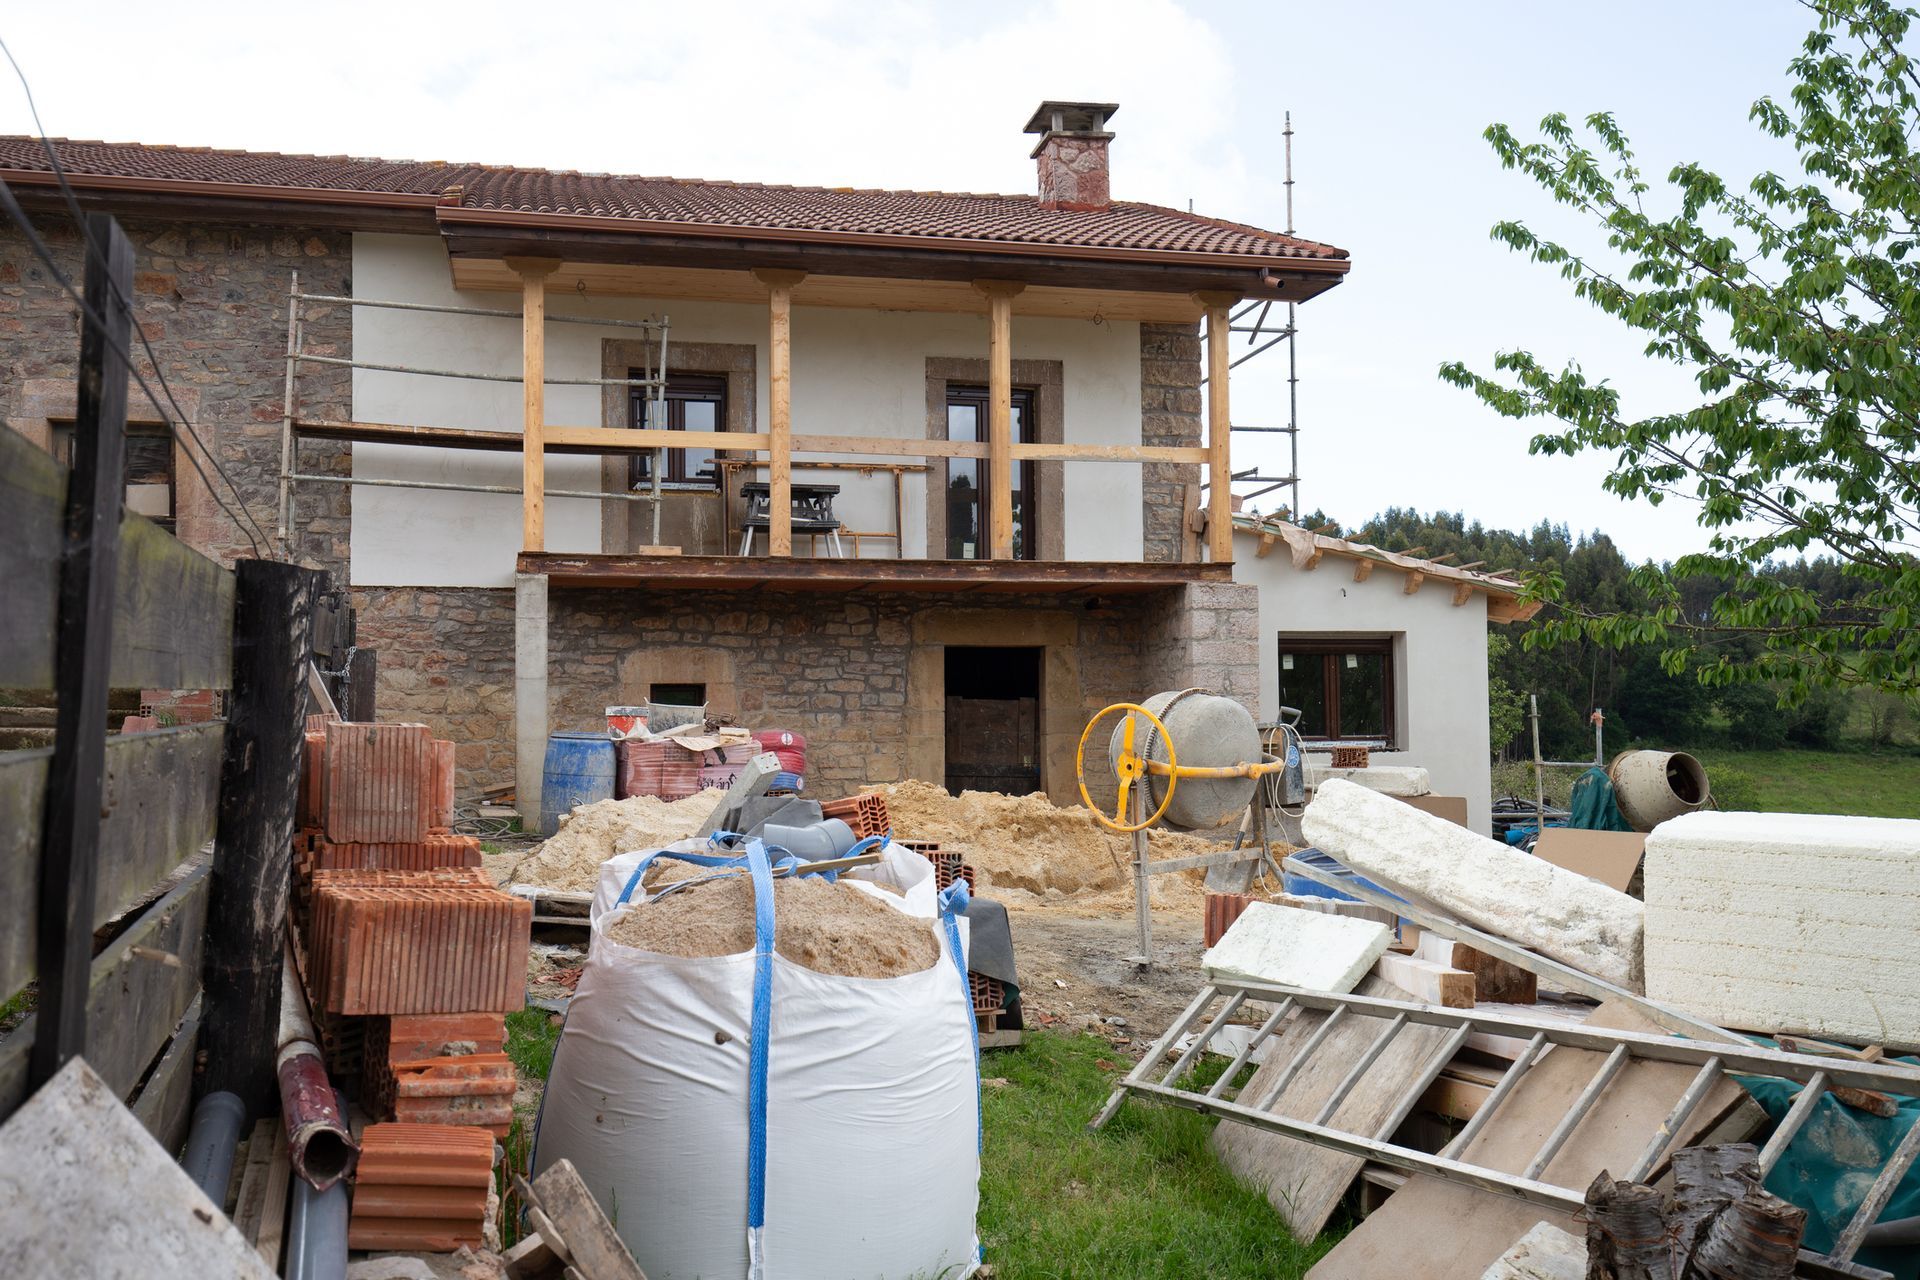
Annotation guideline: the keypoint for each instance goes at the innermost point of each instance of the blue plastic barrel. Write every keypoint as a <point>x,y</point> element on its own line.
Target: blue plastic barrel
<point>579,770</point>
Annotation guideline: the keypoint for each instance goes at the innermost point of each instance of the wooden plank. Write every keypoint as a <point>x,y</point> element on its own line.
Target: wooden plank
<point>172,607</point>
<point>594,1247</point>
<point>159,804</point>
<point>533,274</point>
<point>1000,295</point>
<point>273,1213</point>
<point>1428,982</point>
<point>622,440</point>
<point>252,1196</point>
<point>83,634</point>
<point>1219,426</point>
<point>736,572</point>
<point>889,447</point>
<point>779,285</point>
<point>85,1191</point>
<point>259,778</point>
<point>165,1101</point>
<point>1108,453</point>
<point>1478,1226</point>
<point>1304,1182</point>
<point>135,999</point>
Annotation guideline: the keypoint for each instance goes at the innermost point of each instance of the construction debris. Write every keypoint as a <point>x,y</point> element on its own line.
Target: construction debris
<point>1295,948</point>
<point>421,1186</point>
<point>1716,1221</point>
<point>1559,913</point>
<point>1544,1253</point>
<point>568,1236</point>
<point>571,858</point>
<point>1788,922</point>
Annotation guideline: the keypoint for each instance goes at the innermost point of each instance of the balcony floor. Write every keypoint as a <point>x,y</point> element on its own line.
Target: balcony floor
<point>753,573</point>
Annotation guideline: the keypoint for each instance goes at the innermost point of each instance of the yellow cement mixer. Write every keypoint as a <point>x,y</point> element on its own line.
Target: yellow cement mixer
<point>1188,760</point>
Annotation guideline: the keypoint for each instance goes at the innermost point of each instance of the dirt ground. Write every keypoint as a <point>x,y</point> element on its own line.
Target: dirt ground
<point>1075,976</point>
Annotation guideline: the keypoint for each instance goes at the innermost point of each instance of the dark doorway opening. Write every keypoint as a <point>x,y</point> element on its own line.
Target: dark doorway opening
<point>993,719</point>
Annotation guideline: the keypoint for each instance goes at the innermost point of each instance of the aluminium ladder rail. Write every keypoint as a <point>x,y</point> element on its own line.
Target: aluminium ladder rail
<point>1817,1073</point>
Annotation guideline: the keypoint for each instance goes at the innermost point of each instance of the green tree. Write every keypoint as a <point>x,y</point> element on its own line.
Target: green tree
<point>1795,306</point>
<point>1506,710</point>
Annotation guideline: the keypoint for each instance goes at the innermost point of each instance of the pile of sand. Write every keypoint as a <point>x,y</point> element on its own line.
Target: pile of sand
<point>1026,845</point>
<point>829,928</point>
<point>595,832</point>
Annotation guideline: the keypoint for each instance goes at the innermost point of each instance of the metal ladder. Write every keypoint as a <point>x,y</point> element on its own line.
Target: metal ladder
<point>1217,1004</point>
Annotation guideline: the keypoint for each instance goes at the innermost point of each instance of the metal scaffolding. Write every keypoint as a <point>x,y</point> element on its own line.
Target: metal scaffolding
<point>652,380</point>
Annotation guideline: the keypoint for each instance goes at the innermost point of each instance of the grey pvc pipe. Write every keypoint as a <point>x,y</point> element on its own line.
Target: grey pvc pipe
<point>1896,1233</point>
<point>830,838</point>
<point>317,1232</point>
<point>208,1158</point>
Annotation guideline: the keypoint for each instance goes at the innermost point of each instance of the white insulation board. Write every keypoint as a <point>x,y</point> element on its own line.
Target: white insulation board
<point>1387,779</point>
<point>1559,913</point>
<point>1792,922</point>
<point>1295,948</point>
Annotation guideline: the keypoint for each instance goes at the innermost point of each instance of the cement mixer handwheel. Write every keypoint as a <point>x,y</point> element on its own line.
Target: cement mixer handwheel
<point>1130,766</point>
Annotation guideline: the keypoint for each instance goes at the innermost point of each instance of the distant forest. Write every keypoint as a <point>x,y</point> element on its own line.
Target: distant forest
<point>1643,704</point>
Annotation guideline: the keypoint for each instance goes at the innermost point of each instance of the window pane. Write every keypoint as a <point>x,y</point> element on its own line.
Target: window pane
<point>700,415</point>
<point>1363,694</point>
<point>1303,684</point>
<point>963,485</point>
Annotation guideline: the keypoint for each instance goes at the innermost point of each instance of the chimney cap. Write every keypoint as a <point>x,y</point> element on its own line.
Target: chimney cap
<point>1071,117</point>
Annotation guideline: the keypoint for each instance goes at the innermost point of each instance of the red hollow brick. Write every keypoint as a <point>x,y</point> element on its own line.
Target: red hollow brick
<point>443,762</point>
<point>379,783</point>
<point>418,949</point>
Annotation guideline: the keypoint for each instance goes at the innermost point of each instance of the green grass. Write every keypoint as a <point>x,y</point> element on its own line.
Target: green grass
<point>1796,780</point>
<point>1143,1198</point>
<point>531,1037</point>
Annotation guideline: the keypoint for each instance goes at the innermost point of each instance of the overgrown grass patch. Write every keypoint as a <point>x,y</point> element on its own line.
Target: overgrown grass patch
<point>1799,780</point>
<point>531,1037</point>
<point>1143,1198</point>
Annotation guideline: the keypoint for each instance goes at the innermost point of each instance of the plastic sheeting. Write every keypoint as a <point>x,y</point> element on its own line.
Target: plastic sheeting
<point>871,1139</point>
<point>1591,805</point>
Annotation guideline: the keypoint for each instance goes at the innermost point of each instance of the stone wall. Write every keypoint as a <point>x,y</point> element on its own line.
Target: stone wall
<point>1169,415</point>
<point>1207,636</point>
<point>212,299</point>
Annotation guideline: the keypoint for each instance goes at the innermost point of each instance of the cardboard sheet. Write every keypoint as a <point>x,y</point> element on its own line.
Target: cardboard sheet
<point>1611,857</point>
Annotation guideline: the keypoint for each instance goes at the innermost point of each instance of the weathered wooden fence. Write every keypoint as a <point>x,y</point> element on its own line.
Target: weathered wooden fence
<point>109,901</point>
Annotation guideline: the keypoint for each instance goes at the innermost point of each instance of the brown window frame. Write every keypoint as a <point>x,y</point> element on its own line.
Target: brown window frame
<point>61,446</point>
<point>980,399</point>
<point>682,389</point>
<point>1330,649</point>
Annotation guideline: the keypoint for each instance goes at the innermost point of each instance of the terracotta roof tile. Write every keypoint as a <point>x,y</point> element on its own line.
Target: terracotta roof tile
<point>975,219</point>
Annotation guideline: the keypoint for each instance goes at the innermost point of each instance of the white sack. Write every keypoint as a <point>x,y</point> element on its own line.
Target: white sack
<point>872,1144</point>
<point>1514,895</point>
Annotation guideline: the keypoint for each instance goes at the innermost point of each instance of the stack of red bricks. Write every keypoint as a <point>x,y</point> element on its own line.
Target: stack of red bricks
<point>420,1186</point>
<point>440,1068</point>
<point>410,955</point>
<point>865,813</point>
<point>989,994</point>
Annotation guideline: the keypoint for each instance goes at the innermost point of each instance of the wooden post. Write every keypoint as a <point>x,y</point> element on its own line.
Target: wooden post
<point>533,374</point>
<point>780,285</point>
<point>363,666</point>
<point>1000,294</point>
<point>1219,427</point>
<point>253,850</point>
<point>89,560</point>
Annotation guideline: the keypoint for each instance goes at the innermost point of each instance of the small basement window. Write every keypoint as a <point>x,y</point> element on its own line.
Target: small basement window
<point>1343,686</point>
<point>677,695</point>
<point>148,466</point>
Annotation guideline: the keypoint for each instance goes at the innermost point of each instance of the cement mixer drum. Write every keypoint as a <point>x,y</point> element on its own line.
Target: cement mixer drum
<point>1207,730</point>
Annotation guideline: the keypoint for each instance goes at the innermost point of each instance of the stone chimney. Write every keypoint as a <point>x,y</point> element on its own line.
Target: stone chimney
<point>1073,153</point>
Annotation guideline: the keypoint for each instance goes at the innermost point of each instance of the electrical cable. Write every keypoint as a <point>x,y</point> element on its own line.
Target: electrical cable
<point>90,250</point>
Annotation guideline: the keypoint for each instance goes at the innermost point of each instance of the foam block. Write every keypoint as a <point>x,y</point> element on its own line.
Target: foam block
<point>1792,922</point>
<point>1295,948</point>
<point>1544,1253</point>
<point>1387,779</point>
<point>1577,921</point>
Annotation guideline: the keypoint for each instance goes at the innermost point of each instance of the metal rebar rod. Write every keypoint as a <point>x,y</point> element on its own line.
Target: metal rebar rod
<point>1359,1068</point>
<point>597,496</point>
<point>1575,1114</point>
<point>1411,1098</point>
<point>494,312</point>
<point>345,363</point>
<point>1185,1061</point>
<point>1138,1075</point>
<point>1320,1033</point>
<point>1790,1124</point>
<point>1670,1127</point>
<point>1241,1059</point>
<point>1877,1195</point>
<point>1508,1080</point>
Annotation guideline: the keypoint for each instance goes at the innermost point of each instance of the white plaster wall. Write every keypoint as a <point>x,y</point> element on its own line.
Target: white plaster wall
<point>855,372</point>
<point>1440,658</point>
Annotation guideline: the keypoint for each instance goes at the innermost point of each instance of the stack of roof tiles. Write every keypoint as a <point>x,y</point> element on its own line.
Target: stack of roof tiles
<point>420,1186</point>
<point>440,1068</point>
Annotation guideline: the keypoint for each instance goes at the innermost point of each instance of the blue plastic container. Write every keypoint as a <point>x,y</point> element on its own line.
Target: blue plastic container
<point>579,770</point>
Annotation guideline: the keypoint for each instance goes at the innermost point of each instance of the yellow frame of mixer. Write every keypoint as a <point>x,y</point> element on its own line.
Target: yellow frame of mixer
<point>1131,767</point>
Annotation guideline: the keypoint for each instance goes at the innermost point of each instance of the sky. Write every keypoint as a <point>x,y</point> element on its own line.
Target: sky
<point>1389,101</point>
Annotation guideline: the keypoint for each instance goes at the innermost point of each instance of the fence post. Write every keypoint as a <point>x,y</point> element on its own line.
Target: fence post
<point>89,560</point>
<point>252,860</point>
<point>363,666</point>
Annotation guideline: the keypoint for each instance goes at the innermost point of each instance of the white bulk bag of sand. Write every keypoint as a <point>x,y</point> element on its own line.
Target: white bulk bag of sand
<point>900,868</point>
<point>868,1139</point>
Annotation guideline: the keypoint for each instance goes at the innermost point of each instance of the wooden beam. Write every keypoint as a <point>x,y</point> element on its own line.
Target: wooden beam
<point>1462,592</point>
<point>1000,295</point>
<point>1109,453</point>
<point>1362,570</point>
<point>1219,426</point>
<point>1266,546</point>
<point>252,861</point>
<point>734,573</point>
<point>533,273</point>
<point>89,562</point>
<point>1414,578</point>
<point>1314,558</point>
<point>780,285</point>
<point>881,446</point>
<point>647,439</point>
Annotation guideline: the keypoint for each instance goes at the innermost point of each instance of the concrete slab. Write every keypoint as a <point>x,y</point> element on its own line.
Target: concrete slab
<point>1272,943</point>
